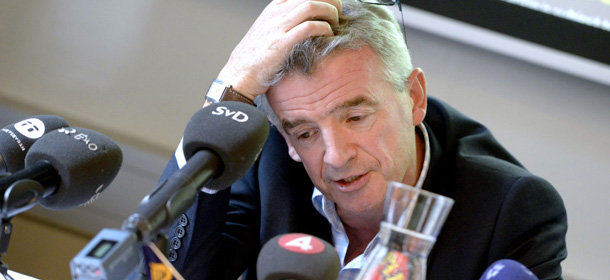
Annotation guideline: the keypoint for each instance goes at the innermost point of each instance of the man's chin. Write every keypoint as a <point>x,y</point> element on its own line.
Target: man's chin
<point>361,209</point>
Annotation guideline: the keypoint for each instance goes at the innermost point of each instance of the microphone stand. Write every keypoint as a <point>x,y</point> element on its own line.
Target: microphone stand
<point>19,197</point>
<point>5,237</point>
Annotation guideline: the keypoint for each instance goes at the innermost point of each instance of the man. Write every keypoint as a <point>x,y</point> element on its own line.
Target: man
<point>353,114</point>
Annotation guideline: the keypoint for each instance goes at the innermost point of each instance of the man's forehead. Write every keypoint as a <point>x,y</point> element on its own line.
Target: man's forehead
<point>341,80</point>
<point>289,123</point>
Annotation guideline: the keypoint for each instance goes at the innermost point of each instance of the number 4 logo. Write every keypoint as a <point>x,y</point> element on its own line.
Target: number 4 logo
<point>301,243</point>
<point>304,243</point>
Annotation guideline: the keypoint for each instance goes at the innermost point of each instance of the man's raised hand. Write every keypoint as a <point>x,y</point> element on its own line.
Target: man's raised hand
<point>281,25</point>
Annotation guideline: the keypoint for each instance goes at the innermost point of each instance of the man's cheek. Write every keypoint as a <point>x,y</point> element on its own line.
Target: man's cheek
<point>293,153</point>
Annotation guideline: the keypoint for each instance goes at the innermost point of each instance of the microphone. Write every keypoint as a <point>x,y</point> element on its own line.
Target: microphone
<point>70,167</point>
<point>221,142</point>
<point>235,131</point>
<point>16,139</point>
<point>297,256</point>
<point>506,269</point>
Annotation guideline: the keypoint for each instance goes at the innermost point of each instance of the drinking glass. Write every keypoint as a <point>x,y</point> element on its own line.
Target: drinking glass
<point>412,220</point>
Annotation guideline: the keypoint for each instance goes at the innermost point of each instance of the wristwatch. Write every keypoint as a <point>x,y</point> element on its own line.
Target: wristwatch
<point>219,91</point>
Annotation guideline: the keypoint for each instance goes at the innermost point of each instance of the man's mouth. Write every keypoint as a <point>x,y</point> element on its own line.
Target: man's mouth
<point>351,179</point>
<point>351,183</point>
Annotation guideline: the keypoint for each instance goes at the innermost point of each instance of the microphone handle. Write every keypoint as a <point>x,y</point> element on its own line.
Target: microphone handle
<point>42,172</point>
<point>174,196</point>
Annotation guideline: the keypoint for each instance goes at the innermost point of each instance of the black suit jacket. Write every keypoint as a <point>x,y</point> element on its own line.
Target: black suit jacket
<point>501,210</point>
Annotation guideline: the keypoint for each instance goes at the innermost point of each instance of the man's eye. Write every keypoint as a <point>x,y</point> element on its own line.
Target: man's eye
<point>356,118</point>
<point>304,136</point>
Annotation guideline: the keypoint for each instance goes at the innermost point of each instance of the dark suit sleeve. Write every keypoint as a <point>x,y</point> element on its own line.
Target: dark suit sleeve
<point>531,228</point>
<point>219,240</point>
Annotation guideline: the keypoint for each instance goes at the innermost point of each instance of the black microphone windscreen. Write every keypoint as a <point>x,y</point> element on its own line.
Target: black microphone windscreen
<point>86,161</point>
<point>297,256</point>
<point>506,269</point>
<point>16,139</point>
<point>235,131</point>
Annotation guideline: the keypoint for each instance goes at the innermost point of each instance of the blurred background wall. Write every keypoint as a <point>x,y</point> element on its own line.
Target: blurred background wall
<point>137,70</point>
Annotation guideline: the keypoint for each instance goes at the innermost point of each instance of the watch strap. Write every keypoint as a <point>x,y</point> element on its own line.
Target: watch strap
<point>219,91</point>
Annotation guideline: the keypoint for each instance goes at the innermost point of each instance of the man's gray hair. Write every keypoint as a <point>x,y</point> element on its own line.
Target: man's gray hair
<point>360,25</point>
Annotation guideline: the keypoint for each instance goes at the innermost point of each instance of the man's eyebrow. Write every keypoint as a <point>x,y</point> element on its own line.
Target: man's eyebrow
<point>289,125</point>
<point>357,101</point>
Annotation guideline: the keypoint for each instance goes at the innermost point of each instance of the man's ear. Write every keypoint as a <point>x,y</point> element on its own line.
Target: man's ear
<point>291,151</point>
<point>416,87</point>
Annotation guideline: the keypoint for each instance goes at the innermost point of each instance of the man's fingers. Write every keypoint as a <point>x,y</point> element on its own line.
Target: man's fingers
<point>313,11</point>
<point>309,19</point>
<point>337,4</point>
<point>308,29</point>
<point>294,3</point>
<point>281,25</point>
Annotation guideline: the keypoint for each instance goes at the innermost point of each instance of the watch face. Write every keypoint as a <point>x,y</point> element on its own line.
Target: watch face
<point>215,92</point>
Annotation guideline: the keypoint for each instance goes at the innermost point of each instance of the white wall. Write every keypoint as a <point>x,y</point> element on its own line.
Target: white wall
<point>137,70</point>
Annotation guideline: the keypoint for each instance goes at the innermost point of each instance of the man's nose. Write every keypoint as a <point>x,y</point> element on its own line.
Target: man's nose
<point>339,148</point>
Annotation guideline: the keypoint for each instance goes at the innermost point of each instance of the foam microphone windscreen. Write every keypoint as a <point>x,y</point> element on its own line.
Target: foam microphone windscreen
<point>86,161</point>
<point>506,269</point>
<point>235,131</point>
<point>16,139</point>
<point>297,256</point>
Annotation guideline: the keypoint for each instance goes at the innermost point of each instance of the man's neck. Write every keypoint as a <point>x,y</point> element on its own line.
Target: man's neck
<point>414,171</point>
<point>359,236</point>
